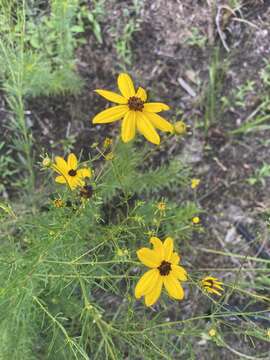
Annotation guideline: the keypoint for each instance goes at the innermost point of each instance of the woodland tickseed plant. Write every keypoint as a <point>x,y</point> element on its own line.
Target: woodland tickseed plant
<point>165,270</point>
<point>212,285</point>
<point>135,113</point>
<point>69,172</point>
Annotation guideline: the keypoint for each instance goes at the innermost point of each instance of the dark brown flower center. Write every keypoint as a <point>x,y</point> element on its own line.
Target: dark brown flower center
<point>72,172</point>
<point>209,282</point>
<point>135,103</point>
<point>164,268</point>
<point>86,191</point>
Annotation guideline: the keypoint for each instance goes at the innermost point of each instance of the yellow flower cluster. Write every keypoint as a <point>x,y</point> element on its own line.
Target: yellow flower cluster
<point>137,115</point>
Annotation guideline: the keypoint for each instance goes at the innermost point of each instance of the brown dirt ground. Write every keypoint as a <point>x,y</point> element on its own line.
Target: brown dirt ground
<point>161,56</point>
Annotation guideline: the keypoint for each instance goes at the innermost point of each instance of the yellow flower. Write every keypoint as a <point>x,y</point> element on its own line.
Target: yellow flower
<point>109,156</point>
<point>135,112</point>
<point>69,172</point>
<point>58,203</point>
<point>161,206</point>
<point>165,270</point>
<point>195,183</point>
<point>212,332</point>
<point>212,285</point>
<point>180,128</point>
<point>107,143</point>
<point>196,220</point>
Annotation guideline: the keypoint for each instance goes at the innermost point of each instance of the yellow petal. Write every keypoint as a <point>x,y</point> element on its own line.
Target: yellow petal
<point>168,248</point>
<point>60,179</point>
<point>153,296</point>
<point>146,128</point>
<point>213,291</point>
<point>216,286</point>
<point>146,283</point>
<point>159,122</point>
<point>148,257</point>
<point>175,258</point>
<point>128,126</point>
<point>72,161</point>
<point>112,114</point>
<point>125,85</point>
<point>155,107</point>
<point>60,165</point>
<point>173,287</point>
<point>75,181</point>
<point>112,96</point>
<point>179,272</point>
<point>141,93</point>
<point>85,172</point>
<point>158,247</point>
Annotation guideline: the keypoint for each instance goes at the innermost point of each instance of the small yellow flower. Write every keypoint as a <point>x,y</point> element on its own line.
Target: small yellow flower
<point>212,332</point>
<point>69,172</point>
<point>46,162</point>
<point>195,183</point>
<point>161,206</point>
<point>165,270</point>
<point>196,220</point>
<point>121,252</point>
<point>136,113</point>
<point>180,128</point>
<point>109,156</point>
<point>58,203</point>
<point>107,143</point>
<point>212,285</point>
<point>268,333</point>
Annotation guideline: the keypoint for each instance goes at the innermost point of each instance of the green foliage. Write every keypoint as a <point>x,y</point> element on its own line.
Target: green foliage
<point>37,58</point>
<point>213,90</point>
<point>196,38</point>
<point>69,273</point>
<point>123,44</point>
<point>260,175</point>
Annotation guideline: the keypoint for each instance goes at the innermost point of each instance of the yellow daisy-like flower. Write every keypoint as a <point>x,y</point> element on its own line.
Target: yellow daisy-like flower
<point>69,172</point>
<point>135,112</point>
<point>212,332</point>
<point>195,183</point>
<point>196,220</point>
<point>212,285</point>
<point>165,270</point>
<point>161,206</point>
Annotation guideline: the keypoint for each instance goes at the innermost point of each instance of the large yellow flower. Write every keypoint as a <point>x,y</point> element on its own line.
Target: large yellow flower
<point>135,112</point>
<point>69,172</point>
<point>165,270</point>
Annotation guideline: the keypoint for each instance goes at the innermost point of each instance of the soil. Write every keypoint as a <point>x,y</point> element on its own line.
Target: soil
<point>162,56</point>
